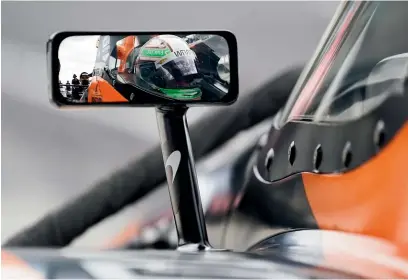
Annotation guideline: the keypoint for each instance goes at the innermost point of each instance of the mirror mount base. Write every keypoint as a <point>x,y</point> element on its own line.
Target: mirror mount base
<point>182,179</point>
<point>191,248</point>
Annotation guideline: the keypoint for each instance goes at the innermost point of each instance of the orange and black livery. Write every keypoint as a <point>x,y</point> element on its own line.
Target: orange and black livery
<point>337,159</point>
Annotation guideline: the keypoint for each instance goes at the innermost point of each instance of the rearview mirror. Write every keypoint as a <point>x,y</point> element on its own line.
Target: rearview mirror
<point>170,71</point>
<point>143,69</point>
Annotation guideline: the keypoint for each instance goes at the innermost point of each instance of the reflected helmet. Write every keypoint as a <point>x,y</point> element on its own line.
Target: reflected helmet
<point>168,65</point>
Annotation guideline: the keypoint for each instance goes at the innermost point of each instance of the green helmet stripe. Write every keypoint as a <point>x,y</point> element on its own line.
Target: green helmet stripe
<point>182,93</point>
<point>155,52</point>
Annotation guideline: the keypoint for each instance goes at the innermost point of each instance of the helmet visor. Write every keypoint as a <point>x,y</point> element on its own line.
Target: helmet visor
<point>176,77</point>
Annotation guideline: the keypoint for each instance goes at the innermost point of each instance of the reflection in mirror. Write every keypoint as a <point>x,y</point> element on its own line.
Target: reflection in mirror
<point>144,68</point>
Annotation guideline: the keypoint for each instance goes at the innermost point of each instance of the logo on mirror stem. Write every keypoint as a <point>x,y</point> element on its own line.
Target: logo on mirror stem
<point>173,161</point>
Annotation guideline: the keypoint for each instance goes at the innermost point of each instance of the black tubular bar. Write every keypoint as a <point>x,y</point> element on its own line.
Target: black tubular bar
<point>181,177</point>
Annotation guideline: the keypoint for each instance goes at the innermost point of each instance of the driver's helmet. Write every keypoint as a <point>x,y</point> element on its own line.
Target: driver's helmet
<point>341,143</point>
<point>167,65</point>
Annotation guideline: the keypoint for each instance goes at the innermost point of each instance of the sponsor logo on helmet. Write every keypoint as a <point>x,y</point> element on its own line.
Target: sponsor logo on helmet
<point>180,53</point>
<point>155,52</point>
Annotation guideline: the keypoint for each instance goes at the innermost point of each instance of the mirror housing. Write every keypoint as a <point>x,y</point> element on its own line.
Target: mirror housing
<point>141,69</point>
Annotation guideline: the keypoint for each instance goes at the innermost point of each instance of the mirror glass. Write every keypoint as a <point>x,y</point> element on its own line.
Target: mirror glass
<point>144,69</point>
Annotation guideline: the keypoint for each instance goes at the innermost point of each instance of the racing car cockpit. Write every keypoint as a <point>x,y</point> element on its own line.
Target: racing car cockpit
<point>341,140</point>
<point>118,57</point>
<point>332,167</point>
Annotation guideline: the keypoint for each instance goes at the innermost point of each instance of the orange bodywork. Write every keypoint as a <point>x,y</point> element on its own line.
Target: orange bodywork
<point>100,91</point>
<point>13,267</point>
<point>124,49</point>
<point>371,200</point>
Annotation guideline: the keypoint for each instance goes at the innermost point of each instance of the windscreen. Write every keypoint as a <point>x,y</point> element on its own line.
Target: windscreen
<point>362,60</point>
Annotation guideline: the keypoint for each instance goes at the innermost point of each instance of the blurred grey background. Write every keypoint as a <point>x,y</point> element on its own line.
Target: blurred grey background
<point>49,156</point>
